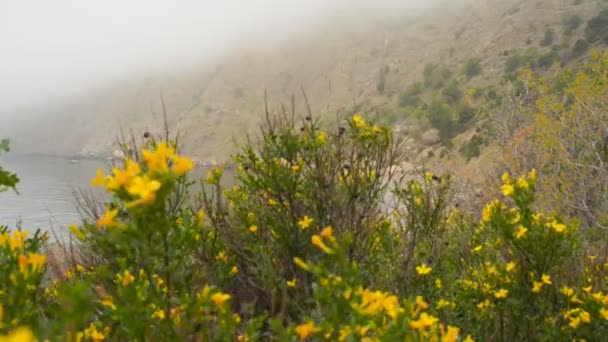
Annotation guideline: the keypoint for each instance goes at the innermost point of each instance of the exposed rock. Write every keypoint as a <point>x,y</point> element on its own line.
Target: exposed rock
<point>431,137</point>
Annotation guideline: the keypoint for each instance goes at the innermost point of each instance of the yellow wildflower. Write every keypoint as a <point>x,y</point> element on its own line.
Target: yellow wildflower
<point>510,266</point>
<point>159,314</point>
<point>376,129</point>
<point>546,279</point>
<point>557,227</point>
<point>477,249</point>
<point>219,299</point>
<point>359,121</point>
<point>420,303</point>
<point>305,222</point>
<point>322,138</point>
<point>501,294</point>
<point>19,335</point>
<point>537,286</point>
<point>77,232</point>
<point>234,270</point>
<point>425,320</point>
<point>145,189</point>
<point>328,234</point>
<point>507,190</point>
<point>521,231</point>
<point>108,303</point>
<point>423,269</point>
<point>200,216</point>
<point>126,278</point>
<point>318,242</point>
<point>532,175</point>
<point>301,264</point>
<point>100,179</point>
<point>181,165</point>
<point>291,283</point>
<point>109,219</point>
<point>567,291</point>
<point>157,160</point>
<point>442,303</point>
<point>122,178</point>
<point>604,313</point>
<point>468,339</point>
<point>253,228</point>
<point>522,183</point>
<point>451,335</point>
<point>304,330</point>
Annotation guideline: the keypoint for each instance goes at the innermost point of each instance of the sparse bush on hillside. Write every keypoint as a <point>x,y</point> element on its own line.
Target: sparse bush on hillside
<point>472,68</point>
<point>410,97</point>
<point>597,28</point>
<point>571,23</point>
<point>436,76</point>
<point>580,48</point>
<point>513,63</point>
<point>452,92</point>
<point>548,37</point>
<point>546,60</point>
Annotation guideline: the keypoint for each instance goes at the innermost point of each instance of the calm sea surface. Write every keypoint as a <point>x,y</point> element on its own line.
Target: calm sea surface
<point>46,190</point>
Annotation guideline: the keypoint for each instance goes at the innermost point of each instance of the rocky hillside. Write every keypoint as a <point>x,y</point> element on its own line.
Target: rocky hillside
<point>351,63</point>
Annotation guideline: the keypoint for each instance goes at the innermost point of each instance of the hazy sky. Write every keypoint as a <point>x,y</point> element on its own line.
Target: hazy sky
<point>55,48</point>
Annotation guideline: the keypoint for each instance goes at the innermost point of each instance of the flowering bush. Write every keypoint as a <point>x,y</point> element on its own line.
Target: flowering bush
<point>306,247</point>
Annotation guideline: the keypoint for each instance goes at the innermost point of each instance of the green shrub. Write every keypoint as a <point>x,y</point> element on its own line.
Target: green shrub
<point>411,96</point>
<point>513,63</point>
<point>452,92</point>
<point>472,68</point>
<point>580,48</point>
<point>436,76</point>
<point>546,60</point>
<point>8,180</point>
<point>548,38</point>
<point>597,28</point>
<point>571,23</point>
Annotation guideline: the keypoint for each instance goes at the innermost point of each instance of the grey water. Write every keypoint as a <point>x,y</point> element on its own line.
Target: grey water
<point>45,197</point>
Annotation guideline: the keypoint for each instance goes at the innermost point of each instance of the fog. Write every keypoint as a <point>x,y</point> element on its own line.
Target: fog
<point>55,49</point>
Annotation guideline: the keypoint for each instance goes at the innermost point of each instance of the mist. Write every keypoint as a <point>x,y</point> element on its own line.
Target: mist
<point>54,50</point>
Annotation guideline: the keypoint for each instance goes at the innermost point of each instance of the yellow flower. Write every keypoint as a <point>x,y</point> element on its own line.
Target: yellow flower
<point>200,216</point>
<point>438,283</point>
<point>219,299</point>
<point>108,303</point>
<point>92,333</point>
<point>521,231</point>
<point>507,190</point>
<point>295,168</point>
<point>420,303</point>
<point>122,178</point>
<point>109,219</point>
<point>318,242</point>
<point>322,138</point>
<point>442,303</point>
<point>272,202</point>
<point>359,121</point>
<point>532,175</point>
<point>100,179</point>
<point>19,335</point>
<point>376,129</point>
<point>567,291</point>
<point>77,232</point>
<point>425,320</point>
<point>234,270</point>
<point>477,249</point>
<point>181,165</point>
<point>145,189</point>
<point>485,304</point>
<point>328,234</point>
<point>537,286</point>
<point>301,264</point>
<point>423,269</point>
<point>546,279</point>
<point>304,330</point>
<point>291,283</point>
<point>159,314</point>
<point>501,294</point>
<point>451,335</point>
<point>157,160</point>
<point>126,278</point>
<point>305,222</point>
<point>468,339</point>
<point>604,313</point>
<point>557,227</point>
<point>253,228</point>
<point>510,266</point>
<point>585,316</point>
<point>522,183</point>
